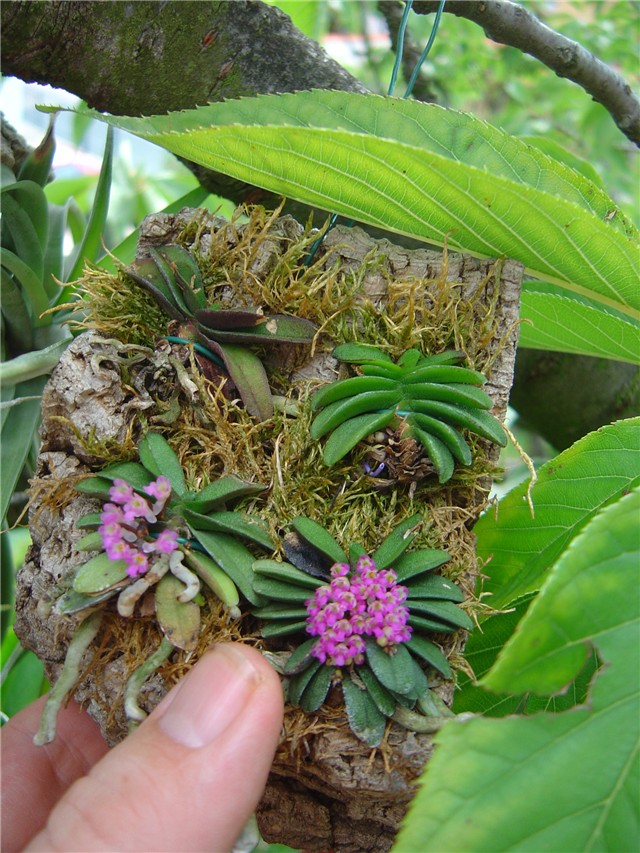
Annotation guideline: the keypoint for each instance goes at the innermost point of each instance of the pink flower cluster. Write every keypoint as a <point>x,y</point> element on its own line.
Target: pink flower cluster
<point>365,603</point>
<point>125,525</point>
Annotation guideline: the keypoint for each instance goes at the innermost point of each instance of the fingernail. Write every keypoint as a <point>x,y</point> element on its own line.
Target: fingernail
<point>209,698</point>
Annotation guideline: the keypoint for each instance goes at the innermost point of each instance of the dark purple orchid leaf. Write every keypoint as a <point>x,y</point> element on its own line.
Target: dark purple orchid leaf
<point>277,328</point>
<point>229,318</point>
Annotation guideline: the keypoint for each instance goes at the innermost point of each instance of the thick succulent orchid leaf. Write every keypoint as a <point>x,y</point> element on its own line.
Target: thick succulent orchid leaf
<point>446,611</point>
<point>345,437</point>
<point>281,590</point>
<point>421,623</point>
<point>279,612</point>
<point>158,457</point>
<point>233,558</point>
<point>300,680</point>
<point>146,273</point>
<point>276,328</point>
<point>216,494</point>
<point>282,628</point>
<point>286,573</point>
<point>97,487</point>
<point>393,671</point>
<point>381,696</point>
<point>183,272</point>
<point>317,690</point>
<point>100,574</point>
<point>179,620</point>
<point>167,271</point>
<point>319,538</point>
<point>229,522</point>
<point>91,519</point>
<point>430,654</point>
<point>227,319</point>
<point>74,602</point>
<point>133,472</point>
<point>396,542</point>
<point>365,718</point>
<point>360,354</point>
<point>417,562</point>
<point>249,376</point>
<point>435,586</point>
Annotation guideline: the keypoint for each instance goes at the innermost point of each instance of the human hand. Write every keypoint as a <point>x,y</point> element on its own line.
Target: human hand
<point>186,780</point>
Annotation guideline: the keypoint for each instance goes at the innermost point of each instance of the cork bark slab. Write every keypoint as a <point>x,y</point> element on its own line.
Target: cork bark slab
<point>327,790</point>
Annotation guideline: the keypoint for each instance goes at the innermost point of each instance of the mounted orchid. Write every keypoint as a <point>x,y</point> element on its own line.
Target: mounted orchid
<point>370,622</point>
<point>224,336</point>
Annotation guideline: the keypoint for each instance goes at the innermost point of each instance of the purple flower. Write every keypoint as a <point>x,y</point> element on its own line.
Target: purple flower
<point>159,489</point>
<point>364,603</point>
<point>124,528</point>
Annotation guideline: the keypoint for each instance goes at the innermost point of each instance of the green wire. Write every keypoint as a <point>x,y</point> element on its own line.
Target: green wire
<point>400,47</point>
<point>425,52</point>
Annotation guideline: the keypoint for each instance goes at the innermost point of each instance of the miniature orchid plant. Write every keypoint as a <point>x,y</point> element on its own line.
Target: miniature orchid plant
<point>153,534</point>
<point>370,622</point>
<point>172,277</point>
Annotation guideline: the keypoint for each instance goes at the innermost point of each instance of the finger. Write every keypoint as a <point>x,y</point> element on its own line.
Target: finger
<point>35,777</point>
<point>190,776</point>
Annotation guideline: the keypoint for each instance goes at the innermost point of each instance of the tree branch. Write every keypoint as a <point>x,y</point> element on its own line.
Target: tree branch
<point>511,24</point>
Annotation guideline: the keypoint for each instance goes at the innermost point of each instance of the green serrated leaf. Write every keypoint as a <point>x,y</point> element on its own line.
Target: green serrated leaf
<point>570,489</point>
<point>437,173</point>
<point>555,320</point>
<point>396,543</point>
<point>579,768</point>
<point>365,718</point>
<point>157,457</point>
<point>179,620</point>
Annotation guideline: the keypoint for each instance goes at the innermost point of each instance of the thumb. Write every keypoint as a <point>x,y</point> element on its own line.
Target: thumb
<point>190,776</point>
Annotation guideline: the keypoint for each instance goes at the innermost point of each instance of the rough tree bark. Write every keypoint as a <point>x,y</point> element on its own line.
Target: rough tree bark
<point>153,56</point>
